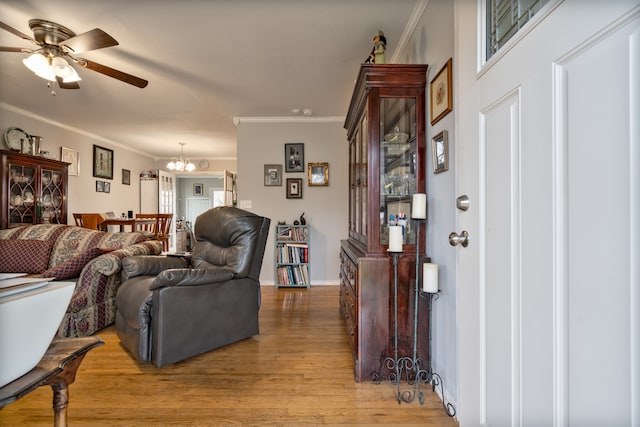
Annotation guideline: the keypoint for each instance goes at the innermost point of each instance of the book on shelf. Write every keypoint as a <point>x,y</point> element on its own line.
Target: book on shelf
<point>293,275</point>
<point>293,254</point>
<point>284,233</point>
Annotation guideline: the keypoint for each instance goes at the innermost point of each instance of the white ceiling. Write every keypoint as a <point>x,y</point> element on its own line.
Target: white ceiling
<point>207,61</point>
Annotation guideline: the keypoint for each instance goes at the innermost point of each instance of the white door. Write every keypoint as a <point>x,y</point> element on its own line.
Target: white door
<point>195,206</point>
<point>167,192</point>
<point>549,154</point>
<point>167,201</point>
<point>229,187</point>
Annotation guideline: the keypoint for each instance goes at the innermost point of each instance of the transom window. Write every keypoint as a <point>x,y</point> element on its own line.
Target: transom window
<point>505,18</point>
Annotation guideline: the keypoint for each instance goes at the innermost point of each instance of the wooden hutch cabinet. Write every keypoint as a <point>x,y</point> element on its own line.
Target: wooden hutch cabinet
<point>34,190</point>
<point>386,133</point>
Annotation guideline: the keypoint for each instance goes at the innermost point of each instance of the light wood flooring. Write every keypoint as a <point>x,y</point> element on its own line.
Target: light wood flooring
<point>298,371</point>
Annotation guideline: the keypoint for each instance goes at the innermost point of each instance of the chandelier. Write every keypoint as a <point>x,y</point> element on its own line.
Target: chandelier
<point>181,164</point>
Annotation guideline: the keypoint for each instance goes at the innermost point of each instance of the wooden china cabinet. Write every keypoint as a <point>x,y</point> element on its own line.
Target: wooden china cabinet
<point>386,133</point>
<point>34,190</point>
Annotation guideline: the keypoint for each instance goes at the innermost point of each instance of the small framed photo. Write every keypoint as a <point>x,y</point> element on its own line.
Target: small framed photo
<point>126,177</point>
<point>294,188</point>
<point>441,94</point>
<point>198,189</point>
<point>272,175</point>
<point>294,157</point>
<point>73,158</point>
<point>100,186</point>
<point>107,187</point>
<point>102,162</point>
<point>440,152</point>
<point>318,174</point>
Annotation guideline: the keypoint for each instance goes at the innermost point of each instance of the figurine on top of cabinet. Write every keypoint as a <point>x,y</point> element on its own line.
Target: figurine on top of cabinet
<point>377,55</point>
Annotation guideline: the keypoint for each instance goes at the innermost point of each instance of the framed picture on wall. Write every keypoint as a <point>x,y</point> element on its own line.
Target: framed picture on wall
<point>440,152</point>
<point>73,158</point>
<point>441,94</point>
<point>318,174</point>
<point>294,188</point>
<point>198,189</point>
<point>102,162</point>
<point>294,157</point>
<point>272,175</point>
<point>126,177</point>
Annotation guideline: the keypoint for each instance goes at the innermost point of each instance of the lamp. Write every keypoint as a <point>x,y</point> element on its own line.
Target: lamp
<point>50,68</point>
<point>181,164</point>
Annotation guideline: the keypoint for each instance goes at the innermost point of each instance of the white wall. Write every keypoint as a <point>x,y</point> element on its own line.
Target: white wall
<point>325,208</point>
<point>433,43</point>
<point>82,189</point>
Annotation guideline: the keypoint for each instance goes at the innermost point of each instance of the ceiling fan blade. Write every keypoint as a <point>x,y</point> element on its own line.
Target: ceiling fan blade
<point>111,72</point>
<point>91,40</point>
<point>16,32</point>
<point>15,49</point>
<point>63,85</point>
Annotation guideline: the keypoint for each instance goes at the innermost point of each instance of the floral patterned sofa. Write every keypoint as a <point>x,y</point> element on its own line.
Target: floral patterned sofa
<point>90,258</point>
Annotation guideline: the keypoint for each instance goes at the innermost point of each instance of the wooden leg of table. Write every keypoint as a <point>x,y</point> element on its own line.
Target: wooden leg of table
<point>60,386</point>
<point>60,403</point>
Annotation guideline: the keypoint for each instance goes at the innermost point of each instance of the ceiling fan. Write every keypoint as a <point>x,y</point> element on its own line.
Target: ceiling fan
<point>57,45</point>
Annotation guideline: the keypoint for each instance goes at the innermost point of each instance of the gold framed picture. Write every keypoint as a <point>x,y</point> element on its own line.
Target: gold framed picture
<point>441,93</point>
<point>318,174</point>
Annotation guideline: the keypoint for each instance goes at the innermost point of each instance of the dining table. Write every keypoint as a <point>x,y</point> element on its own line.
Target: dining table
<point>126,222</point>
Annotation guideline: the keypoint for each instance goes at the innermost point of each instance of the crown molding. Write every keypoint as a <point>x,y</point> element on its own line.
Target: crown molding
<point>34,116</point>
<point>287,119</point>
<point>409,29</point>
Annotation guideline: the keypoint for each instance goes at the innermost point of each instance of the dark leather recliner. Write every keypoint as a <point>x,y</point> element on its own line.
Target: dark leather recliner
<point>168,311</point>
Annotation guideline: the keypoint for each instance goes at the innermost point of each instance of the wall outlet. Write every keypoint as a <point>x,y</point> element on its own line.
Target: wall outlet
<point>244,204</point>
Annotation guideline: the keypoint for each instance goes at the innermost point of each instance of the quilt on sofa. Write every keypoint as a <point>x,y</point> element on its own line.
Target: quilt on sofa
<point>90,258</point>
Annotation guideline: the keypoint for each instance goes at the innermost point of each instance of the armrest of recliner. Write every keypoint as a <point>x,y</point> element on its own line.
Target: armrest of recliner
<point>191,277</point>
<point>150,265</point>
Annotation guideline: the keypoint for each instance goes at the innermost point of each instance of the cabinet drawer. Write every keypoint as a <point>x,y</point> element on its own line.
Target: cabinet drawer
<point>347,310</point>
<point>349,272</point>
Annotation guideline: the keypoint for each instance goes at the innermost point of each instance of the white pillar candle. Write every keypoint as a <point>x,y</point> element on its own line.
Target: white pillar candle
<point>430,277</point>
<point>419,208</point>
<point>395,238</point>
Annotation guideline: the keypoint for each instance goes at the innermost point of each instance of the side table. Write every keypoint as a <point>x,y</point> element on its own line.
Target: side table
<point>57,369</point>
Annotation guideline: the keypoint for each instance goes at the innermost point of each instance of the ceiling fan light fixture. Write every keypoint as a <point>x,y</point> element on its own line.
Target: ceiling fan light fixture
<point>73,77</point>
<point>61,67</point>
<point>181,164</point>
<point>39,64</point>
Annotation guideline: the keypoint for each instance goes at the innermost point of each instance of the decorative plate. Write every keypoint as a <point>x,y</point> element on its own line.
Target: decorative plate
<point>203,165</point>
<point>13,138</point>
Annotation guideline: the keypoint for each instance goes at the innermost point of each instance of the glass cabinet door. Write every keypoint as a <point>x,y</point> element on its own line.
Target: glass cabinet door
<point>22,194</point>
<point>50,203</point>
<point>397,166</point>
<point>358,183</point>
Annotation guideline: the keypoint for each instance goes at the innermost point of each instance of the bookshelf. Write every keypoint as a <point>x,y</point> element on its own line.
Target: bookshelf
<point>292,256</point>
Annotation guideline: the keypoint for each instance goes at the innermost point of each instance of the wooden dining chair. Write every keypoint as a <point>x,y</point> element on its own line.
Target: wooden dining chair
<point>148,223</point>
<point>88,220</point>
<point>78,218</point>
<point>164,229</point>
<point>158,225</point>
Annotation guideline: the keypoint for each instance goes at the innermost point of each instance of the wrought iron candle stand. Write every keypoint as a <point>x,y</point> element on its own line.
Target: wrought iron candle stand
<point>414,369</point>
